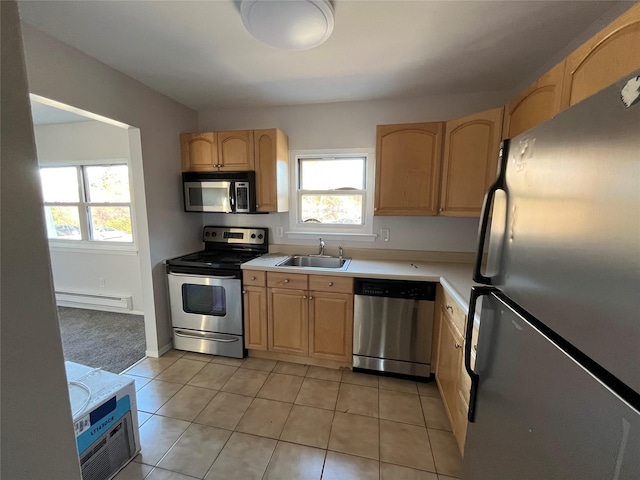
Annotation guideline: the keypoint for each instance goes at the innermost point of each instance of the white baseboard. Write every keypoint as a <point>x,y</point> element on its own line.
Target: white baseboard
<point>91,301</point>
<point>160,352</point>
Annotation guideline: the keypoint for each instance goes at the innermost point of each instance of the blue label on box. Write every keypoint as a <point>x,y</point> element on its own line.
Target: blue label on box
<point>93,425</point>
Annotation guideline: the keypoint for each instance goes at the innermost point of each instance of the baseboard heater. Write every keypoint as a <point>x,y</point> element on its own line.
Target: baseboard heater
<point>74,299</point>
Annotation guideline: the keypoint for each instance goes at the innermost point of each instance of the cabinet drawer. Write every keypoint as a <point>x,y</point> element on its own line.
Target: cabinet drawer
<point>255,278</point>
<point>286,280</point>
<point>454,310</point>
<point>325,283</point>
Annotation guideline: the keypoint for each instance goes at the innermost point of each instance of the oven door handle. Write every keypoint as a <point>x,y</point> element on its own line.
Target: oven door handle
<point>191,275</point>
<point>205,336</point>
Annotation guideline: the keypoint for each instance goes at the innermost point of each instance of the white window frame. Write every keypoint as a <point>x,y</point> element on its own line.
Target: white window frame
<point>86,243</point>
<point>301,230</point>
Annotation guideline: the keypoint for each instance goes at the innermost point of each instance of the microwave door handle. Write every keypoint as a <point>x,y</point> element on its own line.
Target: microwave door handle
<point>232,196</point>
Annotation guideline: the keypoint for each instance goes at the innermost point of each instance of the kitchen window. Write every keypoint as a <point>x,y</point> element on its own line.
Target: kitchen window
<point>333,193</point>
<point>87,203</point>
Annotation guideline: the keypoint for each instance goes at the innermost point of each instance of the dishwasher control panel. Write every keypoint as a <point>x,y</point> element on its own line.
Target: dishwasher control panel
<point>378,287</point>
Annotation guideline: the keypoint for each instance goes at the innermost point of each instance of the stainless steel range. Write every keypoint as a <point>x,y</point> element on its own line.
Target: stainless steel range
<point>205,290</point>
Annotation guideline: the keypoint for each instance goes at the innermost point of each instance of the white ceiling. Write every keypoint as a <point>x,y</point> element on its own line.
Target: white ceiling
<point>199,53</point>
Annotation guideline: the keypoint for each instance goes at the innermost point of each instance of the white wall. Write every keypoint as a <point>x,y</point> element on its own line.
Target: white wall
<point>353,125</point>
<point>79,270</point>
<point>64,74</point>
<point>37,435</point>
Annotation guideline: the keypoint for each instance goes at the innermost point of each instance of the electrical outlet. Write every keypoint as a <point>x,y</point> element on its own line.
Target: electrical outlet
<point>384,233</point>
<point>101,281</point>
<point>279,231</point>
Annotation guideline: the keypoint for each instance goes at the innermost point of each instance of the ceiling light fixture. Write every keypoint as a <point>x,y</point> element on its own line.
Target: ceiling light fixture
<point>288,24</point>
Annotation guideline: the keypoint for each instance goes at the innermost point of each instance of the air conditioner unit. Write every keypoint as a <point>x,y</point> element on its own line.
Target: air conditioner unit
<point>105,420</point>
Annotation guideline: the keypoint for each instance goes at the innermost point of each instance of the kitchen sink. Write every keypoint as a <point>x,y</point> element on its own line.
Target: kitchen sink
<point>315,261</point>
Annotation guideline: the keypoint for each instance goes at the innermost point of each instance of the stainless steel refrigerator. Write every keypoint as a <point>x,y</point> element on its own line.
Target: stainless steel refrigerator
<point>556,382</point>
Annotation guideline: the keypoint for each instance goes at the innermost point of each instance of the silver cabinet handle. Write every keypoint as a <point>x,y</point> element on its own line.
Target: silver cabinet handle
<point>286,280</point>
<point>310,298</point>
<point>458,345</point>
<point>304,297</point>
<point>253,278</point>
<point>331,284</point>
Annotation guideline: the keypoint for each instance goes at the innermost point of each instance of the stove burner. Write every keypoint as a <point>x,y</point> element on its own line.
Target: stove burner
<point>231,248</point>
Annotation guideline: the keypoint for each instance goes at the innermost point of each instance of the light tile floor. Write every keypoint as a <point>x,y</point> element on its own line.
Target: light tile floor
<point>209,417</point>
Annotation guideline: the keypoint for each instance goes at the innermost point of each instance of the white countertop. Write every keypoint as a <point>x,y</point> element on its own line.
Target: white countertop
<point>454,277</point>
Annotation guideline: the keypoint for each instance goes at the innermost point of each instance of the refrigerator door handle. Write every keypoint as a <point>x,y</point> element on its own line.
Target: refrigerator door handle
<point>476,292</point>
<point>499,184</point>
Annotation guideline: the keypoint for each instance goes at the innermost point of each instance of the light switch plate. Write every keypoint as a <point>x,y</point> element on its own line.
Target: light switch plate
<point>279,231</point>
<point>384,233</point>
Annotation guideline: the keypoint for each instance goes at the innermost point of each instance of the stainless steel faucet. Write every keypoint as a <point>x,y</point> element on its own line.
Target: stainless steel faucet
<point>321,252</point>
<point>340,251</point>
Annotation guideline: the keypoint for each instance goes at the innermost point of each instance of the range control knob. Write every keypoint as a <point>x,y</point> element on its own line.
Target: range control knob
<point>206,234</point>
<point>214,234</point>
<point>260,236</point>
<point>253,235</point>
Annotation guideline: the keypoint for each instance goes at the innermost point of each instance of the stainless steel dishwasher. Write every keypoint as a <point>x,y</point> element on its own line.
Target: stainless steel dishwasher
<point>393,326</point>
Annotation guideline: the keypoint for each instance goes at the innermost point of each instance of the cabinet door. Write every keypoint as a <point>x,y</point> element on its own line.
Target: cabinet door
<point>235,150</point>
<point>255,317</point>
<point>272,170</point>
<point>449,363</point>
<point>288,321</point>
<point>408,160</point>
<point>538,103</point>
<point>199,152</point>
<point>608,56</point>
<point>470,162</point>
<point>331,326</point>
<point>461,421</point>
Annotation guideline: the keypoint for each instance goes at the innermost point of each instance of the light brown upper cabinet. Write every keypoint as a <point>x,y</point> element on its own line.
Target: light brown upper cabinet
<point>217,151</point>
<point>272,170</point>
<point>470,162</point>
<point>606,57</point>
<point>235,150</point>
<point>538,103</point>
<point>408,160</point>
<point>199,151</point>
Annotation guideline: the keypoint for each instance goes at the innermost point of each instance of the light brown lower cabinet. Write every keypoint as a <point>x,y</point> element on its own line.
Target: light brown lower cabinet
<point>255,317</point>
<point>288,321</point>
<point>298,314</point>
<point>451,377</point>
<point>254,297</point>
<point>331,325</point>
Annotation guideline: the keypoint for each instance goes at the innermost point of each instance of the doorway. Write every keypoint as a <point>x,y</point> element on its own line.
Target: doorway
<point>88,165</point>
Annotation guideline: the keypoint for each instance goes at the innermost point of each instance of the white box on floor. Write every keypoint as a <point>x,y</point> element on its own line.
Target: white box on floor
<point>105,419</point>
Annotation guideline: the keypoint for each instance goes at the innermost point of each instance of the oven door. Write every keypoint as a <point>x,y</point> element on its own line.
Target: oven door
<point>208,196</point>
<point>207,303</point>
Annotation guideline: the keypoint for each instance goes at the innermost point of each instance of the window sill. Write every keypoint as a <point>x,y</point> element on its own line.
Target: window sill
<point>357,237</point>
<point>85,247</point>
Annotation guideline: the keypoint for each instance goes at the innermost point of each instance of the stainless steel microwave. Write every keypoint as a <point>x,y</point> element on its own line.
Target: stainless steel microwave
<point>223,192</point>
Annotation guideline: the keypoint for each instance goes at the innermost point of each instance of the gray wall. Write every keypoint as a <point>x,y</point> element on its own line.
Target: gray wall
<point>64,74</point>
<point>37,429</point>
<point>353,125</point>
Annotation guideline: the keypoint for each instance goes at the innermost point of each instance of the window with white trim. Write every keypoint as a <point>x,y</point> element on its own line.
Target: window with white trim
<point>87,203</point>
<point>333,191</point>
